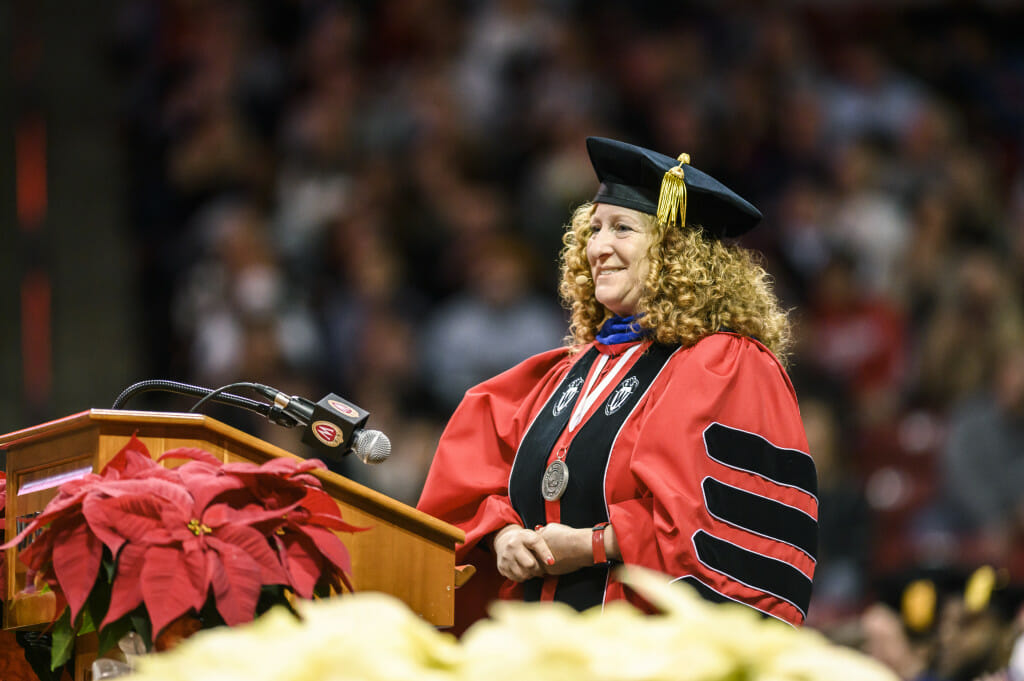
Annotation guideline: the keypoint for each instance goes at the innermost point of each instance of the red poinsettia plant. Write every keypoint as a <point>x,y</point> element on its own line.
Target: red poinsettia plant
<point>139,546</point>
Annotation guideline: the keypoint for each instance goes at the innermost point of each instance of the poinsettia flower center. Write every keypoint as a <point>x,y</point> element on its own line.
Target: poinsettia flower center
<point>198,528</point>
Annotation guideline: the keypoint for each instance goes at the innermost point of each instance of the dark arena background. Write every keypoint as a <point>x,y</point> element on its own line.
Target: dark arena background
<point>366,198</point>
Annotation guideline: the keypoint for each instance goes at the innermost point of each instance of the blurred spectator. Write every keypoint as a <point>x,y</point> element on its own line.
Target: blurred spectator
<point>868,220</point>
<point>235,307</point>
<point>919,163</point>
<point>497,323</point>
<point>925,267</point>
<point>858,338</point>
<point>387,387</point>
<point>798,152</point>
<point>977,313</point>
<point>983,462</point>
<point>363,287</point>
<point>943,623</point>
<point>804,244</point>
<point>505,41</point>
<point>560,178</point>
<point>867,96</point>
<point>844,524</point>
<point>976,628</point>
<point>886,640</point>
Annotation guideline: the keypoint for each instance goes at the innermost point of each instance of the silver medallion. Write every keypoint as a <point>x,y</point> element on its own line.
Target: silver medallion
<point>556,479</point>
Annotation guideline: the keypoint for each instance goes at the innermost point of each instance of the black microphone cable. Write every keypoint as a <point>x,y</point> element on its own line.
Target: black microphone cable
<point>214,394</point>
<point>206,395</point>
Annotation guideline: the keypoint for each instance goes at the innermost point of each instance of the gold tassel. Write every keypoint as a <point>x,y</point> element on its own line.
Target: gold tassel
<point>918,605</point>
<point>978,592</point>
<point>672,200</point>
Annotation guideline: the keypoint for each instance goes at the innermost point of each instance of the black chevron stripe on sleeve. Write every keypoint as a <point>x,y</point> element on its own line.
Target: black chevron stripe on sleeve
<point>761,515</point>
<point>752,453</point>
<point>754,570</point>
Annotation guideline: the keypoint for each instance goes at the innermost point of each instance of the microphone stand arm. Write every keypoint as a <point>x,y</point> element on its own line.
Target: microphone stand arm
<point>260,408</point>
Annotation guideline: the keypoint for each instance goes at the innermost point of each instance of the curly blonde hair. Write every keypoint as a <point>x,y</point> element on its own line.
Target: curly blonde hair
<point>696,285</point>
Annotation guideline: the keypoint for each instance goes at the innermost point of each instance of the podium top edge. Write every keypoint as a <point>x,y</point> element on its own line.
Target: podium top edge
<point>77,420</point>
<point>91,417</point>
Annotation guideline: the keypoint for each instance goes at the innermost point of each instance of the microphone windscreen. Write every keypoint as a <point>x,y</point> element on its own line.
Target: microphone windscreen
<point>371,446</point>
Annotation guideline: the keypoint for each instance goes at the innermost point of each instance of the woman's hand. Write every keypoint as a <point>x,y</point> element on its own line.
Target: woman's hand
<point>571,547</point>
<point>554,549</point>
<point>521,553</point>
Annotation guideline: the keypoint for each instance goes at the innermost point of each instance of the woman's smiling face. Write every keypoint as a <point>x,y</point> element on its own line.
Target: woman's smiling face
<point>617,253</point>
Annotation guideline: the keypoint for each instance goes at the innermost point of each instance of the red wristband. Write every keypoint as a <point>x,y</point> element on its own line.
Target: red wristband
<point>597,539</point>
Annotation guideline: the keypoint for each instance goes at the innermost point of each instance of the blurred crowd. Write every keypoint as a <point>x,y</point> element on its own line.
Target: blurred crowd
<point>367,198</point>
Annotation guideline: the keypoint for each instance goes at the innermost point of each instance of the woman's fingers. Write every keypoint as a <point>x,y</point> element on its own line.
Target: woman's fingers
<point>539,548</point>
<point>521,554</point>
<point>569,547</point>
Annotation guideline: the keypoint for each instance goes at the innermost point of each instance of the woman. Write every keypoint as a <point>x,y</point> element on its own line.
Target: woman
<point>666,435</point>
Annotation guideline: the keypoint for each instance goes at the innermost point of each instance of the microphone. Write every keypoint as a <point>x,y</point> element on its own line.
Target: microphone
<point>334,426</point>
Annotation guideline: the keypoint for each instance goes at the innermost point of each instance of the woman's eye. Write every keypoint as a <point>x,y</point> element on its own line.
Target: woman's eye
<point>618,228</point>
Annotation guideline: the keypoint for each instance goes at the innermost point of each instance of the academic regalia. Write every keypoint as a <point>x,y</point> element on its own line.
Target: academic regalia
<point>697,456</point>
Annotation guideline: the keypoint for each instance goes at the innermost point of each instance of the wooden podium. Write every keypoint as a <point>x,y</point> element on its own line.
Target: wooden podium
<point>406,553</point>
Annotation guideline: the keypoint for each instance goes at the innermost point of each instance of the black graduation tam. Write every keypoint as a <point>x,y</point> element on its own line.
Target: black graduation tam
<point>671,189</point>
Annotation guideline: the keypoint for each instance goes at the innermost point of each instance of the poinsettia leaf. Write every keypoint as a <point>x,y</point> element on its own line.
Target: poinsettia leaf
<point>133,459</point>
<point>142,626</point>
<point>157,472</point>
<point>39,552</point>
<point>273,491</point>
<point>324,511</point>
<point>346,582</point>
<point>126,588</point>
<point>307,465</point>
<point>255,545</point>
<point>112,633</point>
<point>192,453</point>
<point>61,505</point>
<point>237,598</point>
<point>250,514</point>
<point>278,472</point>
<point>136,518</point>
<point>194,557</point>
<point>63,641</point>
<point>206,489</point>
<point>301,562</point>
<point>281,466</point>
<point>194,473</point>
<point>169,487</point>
<point>320,502</point>
<point>96,605</point>
<point>333,523</point>
<point>109,567</point>
<point>329,545</point>
<point>85,623</point>
<point>241,468</point>
<point>76,561</point>
<point>307,480</point>
<point>166,590</point>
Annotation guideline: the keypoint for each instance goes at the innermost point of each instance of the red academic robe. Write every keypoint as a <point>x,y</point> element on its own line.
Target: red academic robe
<point>707,480</point>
